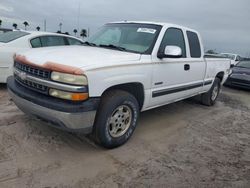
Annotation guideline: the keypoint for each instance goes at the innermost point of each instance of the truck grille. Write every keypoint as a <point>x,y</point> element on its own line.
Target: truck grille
<point>32,71</point>
<point>33,86</point>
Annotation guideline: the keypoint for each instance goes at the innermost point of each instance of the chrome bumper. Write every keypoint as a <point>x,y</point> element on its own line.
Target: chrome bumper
<point>76,122</point>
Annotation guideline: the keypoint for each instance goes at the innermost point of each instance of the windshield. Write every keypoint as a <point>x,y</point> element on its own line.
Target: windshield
<point>138,38</point>
<point>244,64</point>
<point>10,36</point>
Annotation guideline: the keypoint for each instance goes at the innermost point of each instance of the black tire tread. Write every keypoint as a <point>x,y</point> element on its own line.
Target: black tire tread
<point>206,97</point>
<point>107,98</point>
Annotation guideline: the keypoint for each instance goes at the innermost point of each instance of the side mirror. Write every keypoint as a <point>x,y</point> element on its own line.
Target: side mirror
<point>171,52</point>
<point>232,65</point>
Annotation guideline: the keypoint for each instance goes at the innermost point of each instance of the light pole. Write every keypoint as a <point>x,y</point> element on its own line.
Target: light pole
<point>60,26</point>
<point>45,25</point>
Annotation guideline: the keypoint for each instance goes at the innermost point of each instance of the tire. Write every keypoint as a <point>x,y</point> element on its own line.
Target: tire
<point>116,119</point>
<point>210,97</point>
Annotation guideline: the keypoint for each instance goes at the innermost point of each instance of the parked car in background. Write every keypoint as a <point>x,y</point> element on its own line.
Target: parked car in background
<point>235,58</point>
<point>16,41</point>
<point>4,30</point>
<point>125,68</point>
<point>240,76</point>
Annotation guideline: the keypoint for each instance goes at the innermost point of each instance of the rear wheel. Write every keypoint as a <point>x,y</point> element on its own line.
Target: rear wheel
<point>116,118</point>
<point>210,97</point>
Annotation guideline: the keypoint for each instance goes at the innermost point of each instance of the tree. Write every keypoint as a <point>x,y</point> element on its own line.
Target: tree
<point>66,33</point>
<point>38,28</point>
<point>14,25</point>
<point>211,52</point>
<point>25,24</point>
<point>1,23</point>
<point>75,31</point>
<point>83,33</point>
<point>248,55</point>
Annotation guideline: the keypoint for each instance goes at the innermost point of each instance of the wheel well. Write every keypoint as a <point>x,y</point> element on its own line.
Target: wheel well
<point>136,89</point>
<point>220,75</point>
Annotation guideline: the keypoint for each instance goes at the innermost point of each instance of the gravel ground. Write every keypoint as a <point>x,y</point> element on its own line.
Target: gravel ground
<point>180,145</point>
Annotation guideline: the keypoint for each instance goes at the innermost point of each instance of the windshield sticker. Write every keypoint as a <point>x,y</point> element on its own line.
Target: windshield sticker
<point>146,30</point>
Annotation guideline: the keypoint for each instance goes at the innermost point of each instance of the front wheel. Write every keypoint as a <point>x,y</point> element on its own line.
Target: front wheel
<point>116,118</point>
<point>210,97</point>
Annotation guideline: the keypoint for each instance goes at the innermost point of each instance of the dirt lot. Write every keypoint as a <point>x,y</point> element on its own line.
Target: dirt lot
<point>180,145</point>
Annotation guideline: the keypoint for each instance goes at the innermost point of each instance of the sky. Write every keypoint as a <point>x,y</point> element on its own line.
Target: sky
<point>223,24</point>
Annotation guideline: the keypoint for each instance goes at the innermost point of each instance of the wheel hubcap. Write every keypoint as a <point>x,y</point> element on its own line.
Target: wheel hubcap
<point>215,92</point>
<point>120,121</point>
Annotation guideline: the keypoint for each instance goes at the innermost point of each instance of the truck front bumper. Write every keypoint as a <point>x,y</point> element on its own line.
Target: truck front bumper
<point>73,117</point>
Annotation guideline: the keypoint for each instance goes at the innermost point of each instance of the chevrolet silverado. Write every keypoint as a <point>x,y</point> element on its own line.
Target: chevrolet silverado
<point>125,68</point>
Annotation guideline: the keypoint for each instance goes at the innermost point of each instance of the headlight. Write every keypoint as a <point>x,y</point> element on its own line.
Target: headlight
<point>68,95</point>
<point>69,78</point>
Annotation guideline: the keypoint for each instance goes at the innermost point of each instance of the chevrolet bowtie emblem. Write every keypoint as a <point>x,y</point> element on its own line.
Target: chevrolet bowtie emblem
<point>23,75</point>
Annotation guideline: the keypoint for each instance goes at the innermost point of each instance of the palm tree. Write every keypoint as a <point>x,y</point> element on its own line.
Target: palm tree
<point>1,23</point>
<point>75,31</point>
<point>211,51</point>
<point>83,33</point>
<point>38,28</point>
<point>14,25</point>
<point>25,24</point>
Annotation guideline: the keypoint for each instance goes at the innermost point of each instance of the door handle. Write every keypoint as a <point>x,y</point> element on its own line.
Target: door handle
<point>186,67</point>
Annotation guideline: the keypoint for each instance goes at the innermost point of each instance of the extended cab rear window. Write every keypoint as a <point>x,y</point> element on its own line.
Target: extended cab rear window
<point>194,44</point>
<point>10,36</point>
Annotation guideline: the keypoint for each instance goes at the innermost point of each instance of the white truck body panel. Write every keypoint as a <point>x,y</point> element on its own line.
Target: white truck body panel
<point>84,57</point>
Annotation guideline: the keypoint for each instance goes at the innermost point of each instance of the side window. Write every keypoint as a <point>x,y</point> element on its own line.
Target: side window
<point>194,44</point>
<point>36,42</point>
<point>52,41</point>
<point>173,37</point>
<point>73,41</point>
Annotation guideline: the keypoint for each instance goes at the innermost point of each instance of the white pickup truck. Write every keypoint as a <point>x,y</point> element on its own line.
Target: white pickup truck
<point>125,68</point>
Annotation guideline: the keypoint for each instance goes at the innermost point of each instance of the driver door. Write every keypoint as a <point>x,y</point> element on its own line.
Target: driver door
<point>176,78</point>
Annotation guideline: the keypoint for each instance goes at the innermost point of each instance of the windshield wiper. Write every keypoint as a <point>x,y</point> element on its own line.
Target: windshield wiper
<point>89,43</point>
<point>112,46</point>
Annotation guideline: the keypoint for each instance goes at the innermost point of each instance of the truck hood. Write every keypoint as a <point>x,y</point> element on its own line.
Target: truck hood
<point>84,57</point>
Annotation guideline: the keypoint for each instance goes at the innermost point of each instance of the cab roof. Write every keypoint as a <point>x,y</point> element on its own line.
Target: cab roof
<point>156,23</point>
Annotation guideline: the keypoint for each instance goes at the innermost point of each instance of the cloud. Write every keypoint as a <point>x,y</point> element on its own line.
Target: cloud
<point>6,8</point>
